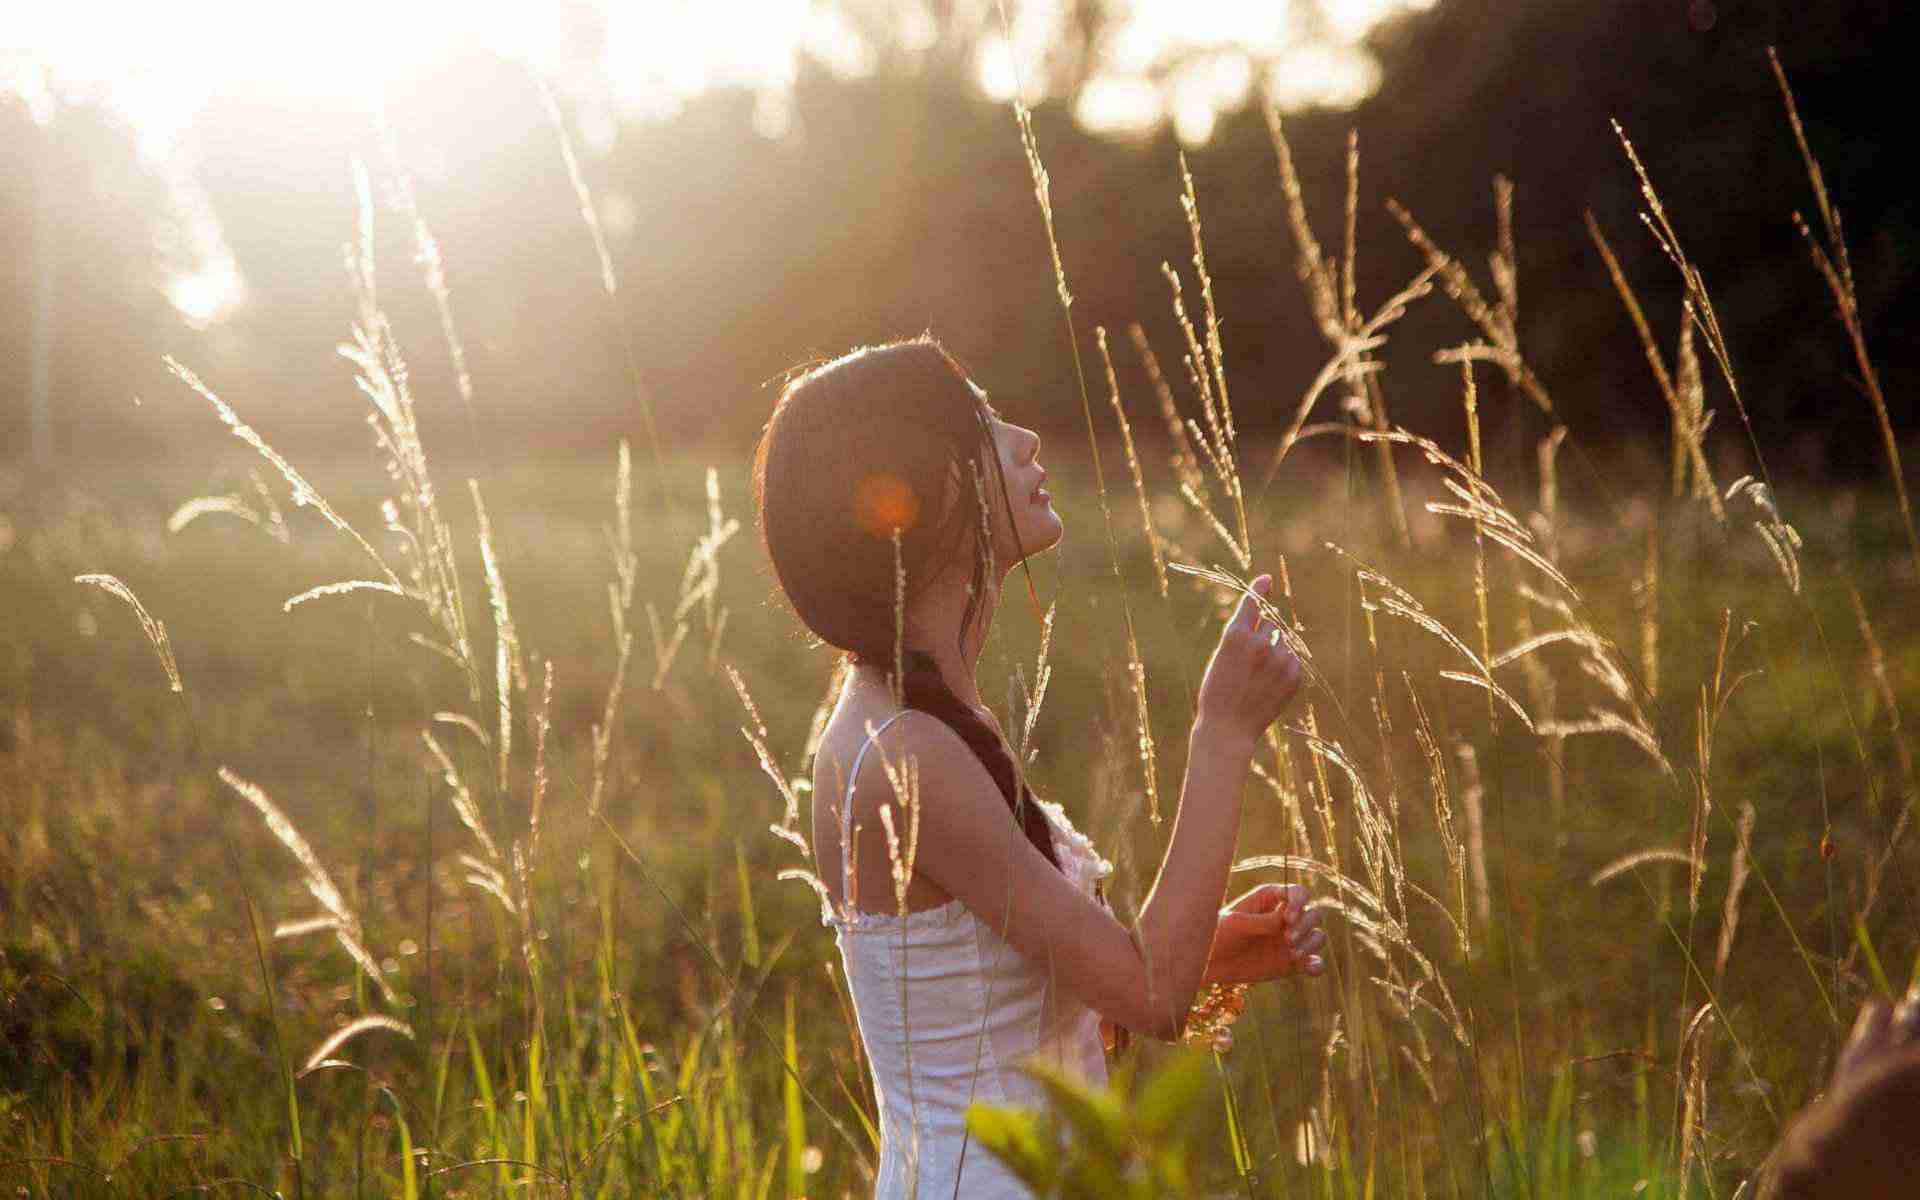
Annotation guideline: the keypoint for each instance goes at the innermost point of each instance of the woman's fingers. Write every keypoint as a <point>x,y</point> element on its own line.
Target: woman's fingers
<point>1870,1035</point>
<point>1906,1019</point>
<point>1247,615</point>
<point>1264,899</point>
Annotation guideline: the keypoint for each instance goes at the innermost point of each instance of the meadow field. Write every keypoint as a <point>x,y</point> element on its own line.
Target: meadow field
<point>484,875</point>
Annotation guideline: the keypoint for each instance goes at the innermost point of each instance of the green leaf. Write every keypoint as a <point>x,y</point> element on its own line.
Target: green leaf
<point>796,1115</point>
<point>1016,1137</point>
<point>1094,1114</point>
<point>749,928</point>
<point>1171,1094</point>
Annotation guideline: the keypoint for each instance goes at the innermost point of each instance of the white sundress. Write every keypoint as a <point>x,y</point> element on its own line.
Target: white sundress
<point>947,1010</point>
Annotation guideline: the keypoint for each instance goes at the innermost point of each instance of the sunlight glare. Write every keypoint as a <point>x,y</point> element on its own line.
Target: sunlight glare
<point>205,295</point>
<point>1157,61</point>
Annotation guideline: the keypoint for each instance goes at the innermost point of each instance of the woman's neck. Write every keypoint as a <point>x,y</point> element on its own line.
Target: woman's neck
<point>934,627</point>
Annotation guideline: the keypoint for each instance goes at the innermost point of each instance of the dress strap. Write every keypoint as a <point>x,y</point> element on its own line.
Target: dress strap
<point>846,812</point>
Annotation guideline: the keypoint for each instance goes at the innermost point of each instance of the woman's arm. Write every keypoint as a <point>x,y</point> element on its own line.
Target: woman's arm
<point>973,851</point>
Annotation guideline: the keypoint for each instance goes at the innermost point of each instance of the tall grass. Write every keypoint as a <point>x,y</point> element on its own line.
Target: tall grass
<point>1519,761</point>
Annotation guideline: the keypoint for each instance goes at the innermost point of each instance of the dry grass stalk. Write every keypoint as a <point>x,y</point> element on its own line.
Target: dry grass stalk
<point>1154,545</point>
<point>1548,454</point>
<point>1639,858</point>
<point>1493,320</point>
<point>324,1052</point>
<point>192,510</point>
<point>666,645</point>
<point>1470,794</point>
<point>1320,793</point>
<point>1331,297</point>
<point>462,799</point>
<point>1349,362</point>
<point>1441,787</point>
<point>1692,388</point>
<point>903,777</point>
<point>1216,353</point>
<point>1706,317</point>
<point>1470,401</point>
<point>1834,265</point>
<point>699,581</point>
<point>1373,835</point>
<point>1601,720</point>
<point>1714,696</point>
<point>720,530</point>
<point>276,522</point>
<point>1782,540</point>
<point>1903,756</point>
<point>339,919</point>
<point>542,726</point>
<point>1149,760</point>
<point>897,678</point>
<point>1288,628</point>
<point>1323,293</point>
<point>1646,598</point>
<point>150,625</point>
<point>1186,462</point>
<point>508,669</point>
<point>1693,1118</point>
<point>585,198</point>
<point>303,492</point>
<point>1504,262</point>
<point>1686,404</point>
<point>1043,194</point>
<point>813,881</point>
<point>342,588</point>
<point>1494,692</point>
<point>626,570</point>
<point>1741,862</point>
<point>434,271</point>
<point>1216,440</point>
<point>788,827</point>
<point>1283,781</point>
<point>1031,698</point>
<point>1373,925</point>
<point>626,564</point>
<point>1542,690</point>
<point>381,375</point>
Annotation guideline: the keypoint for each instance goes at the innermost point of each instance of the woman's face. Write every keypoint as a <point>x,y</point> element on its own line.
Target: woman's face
<point>1031,516</point>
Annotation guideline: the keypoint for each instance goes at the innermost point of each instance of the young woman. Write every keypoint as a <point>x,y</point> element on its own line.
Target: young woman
<point>887,476</point>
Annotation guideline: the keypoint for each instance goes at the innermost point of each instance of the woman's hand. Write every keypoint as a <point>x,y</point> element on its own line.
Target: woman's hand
<point>1266,934</point>
<point>1252,676</point>
<point>1878,1034</point>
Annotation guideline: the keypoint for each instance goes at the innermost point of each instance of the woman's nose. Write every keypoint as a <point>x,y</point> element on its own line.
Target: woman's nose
<point>1031,441</point>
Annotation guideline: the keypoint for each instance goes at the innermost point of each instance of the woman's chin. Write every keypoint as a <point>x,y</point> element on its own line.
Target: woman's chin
<point>1045,531</point>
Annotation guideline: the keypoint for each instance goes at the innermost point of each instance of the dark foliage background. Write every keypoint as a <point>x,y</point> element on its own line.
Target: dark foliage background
<point>902,202</point>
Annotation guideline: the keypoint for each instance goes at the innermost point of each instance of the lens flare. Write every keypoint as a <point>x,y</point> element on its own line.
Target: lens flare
<point>883,502</point>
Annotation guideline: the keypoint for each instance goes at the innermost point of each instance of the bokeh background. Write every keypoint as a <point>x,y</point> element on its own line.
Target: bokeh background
<point>785,180</point>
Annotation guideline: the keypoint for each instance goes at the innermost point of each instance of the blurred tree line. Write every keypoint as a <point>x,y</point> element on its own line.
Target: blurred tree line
<point>902,201</point>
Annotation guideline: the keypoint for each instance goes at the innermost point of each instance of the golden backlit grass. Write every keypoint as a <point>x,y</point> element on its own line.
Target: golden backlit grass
<point>1520,761</point>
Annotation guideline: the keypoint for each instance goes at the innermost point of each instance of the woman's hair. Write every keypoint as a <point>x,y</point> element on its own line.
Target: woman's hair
<point>887,442</point>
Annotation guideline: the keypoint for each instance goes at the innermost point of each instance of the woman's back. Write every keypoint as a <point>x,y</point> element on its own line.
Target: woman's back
<point>948,1009</point>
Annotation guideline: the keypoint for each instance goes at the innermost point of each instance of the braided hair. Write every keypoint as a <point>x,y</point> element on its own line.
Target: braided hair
<point>865,481</point>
